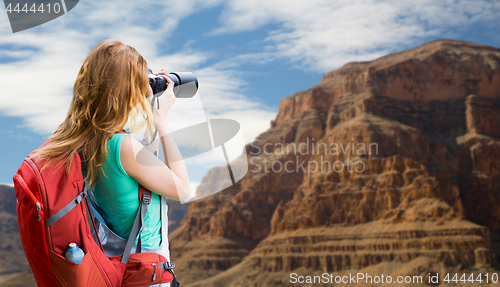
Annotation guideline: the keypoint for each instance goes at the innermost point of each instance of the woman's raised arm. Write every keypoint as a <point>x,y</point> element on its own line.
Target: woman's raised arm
<point>170,179</point>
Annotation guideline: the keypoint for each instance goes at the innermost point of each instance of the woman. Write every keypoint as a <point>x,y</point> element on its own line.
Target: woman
<point>112,85</point>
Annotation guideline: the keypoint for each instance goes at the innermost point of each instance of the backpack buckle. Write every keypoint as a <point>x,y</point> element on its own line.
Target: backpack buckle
<point>168,265</point>
<point>146,197</point>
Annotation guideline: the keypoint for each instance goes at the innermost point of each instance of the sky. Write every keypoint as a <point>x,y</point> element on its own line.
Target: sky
<point>247,55</point>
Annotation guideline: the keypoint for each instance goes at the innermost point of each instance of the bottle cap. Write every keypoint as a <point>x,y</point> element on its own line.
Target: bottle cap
<point>72,245</point>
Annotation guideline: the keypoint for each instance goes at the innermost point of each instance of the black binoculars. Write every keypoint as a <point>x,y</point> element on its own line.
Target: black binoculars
<point>185,84</point>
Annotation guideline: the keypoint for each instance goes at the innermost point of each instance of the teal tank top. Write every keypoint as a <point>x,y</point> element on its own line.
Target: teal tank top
<point>118,199</point>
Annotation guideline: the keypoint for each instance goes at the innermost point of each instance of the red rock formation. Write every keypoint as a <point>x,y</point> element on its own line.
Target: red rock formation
<point>12,258</point>
<point>401,173</point>
<point>482,116</point>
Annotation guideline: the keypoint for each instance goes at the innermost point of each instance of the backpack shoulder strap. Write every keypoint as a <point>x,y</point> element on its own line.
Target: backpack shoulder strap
<point>138,224</point>
<point>72,204</point>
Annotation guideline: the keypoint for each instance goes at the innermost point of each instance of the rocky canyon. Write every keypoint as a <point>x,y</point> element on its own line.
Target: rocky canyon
<point>390,166</point>
<point>385,167</point>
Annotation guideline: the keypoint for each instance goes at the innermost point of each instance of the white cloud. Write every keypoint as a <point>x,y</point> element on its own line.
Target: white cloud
<point>323,34</point>
<point>37,84</point>
<point>315,34</point>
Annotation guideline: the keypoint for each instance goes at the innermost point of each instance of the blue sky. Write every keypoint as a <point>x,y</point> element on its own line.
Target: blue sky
<point>248,55</point>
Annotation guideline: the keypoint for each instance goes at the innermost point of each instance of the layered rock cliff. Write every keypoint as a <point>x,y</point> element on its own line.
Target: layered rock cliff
<point>12,258</point>
<point>385,166</point>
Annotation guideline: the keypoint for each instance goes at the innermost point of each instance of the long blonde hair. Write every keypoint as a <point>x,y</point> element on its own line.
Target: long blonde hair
<point>111,86</point>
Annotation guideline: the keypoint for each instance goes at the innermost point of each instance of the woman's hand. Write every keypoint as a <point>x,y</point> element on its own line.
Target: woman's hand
<point>165,100</point>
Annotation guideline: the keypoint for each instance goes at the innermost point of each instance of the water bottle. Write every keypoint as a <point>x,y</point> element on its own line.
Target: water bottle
<point>74,253</point>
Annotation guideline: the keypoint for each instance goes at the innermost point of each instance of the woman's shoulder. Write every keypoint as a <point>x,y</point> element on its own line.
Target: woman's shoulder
<point>129,145</point>
<point>118,136</point>
<point>129,149</point>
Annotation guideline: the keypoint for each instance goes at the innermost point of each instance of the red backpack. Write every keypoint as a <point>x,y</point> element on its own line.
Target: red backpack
<point>52,212</point>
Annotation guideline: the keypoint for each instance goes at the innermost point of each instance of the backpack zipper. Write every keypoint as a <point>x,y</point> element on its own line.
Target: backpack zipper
<point>38,208</point>
<point>30,195</point>
<point>154,274</point>
<point>43,197</point>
